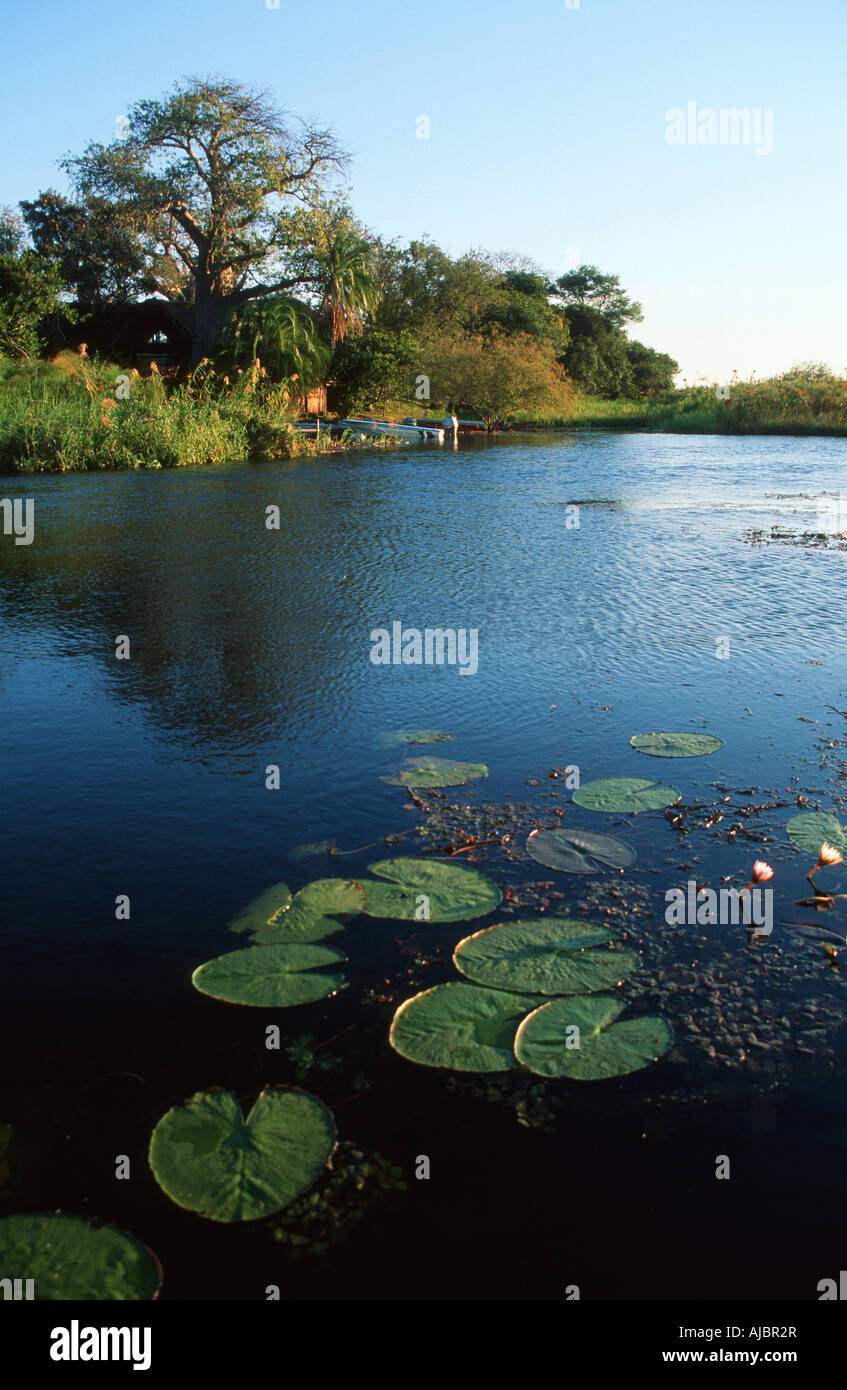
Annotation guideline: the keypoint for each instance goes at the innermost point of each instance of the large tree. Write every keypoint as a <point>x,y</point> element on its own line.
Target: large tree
<point>208,179</point>
<point>30,290</point>
<point>350,289</point>
<point>101,259</point>
<point>496,375</point>
<point>589,289</point>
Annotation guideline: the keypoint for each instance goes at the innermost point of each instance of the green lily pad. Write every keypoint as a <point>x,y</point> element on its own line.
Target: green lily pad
<point>676,745</point>
<point>271,976</point>
<point>437,772</point>
<point>71,1258</point>
<point>545,956</point>
<point>452,894</point>
<point>605,1048</point>
<point>209,1159</point>
<point>311,913</point>
<point>460,1026</point>
<point>578,851</point>
<point>628,794</point>
<point>311,849</point>
<point>400,736</point>
<point>815,828</point>
<point>260,911</point>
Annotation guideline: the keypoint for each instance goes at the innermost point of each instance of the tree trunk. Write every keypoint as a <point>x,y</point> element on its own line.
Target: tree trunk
<point>209,313</point>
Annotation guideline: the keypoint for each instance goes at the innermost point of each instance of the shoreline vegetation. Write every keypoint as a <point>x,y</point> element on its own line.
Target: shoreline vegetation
<point>67,415</point>
<point>204,282</point>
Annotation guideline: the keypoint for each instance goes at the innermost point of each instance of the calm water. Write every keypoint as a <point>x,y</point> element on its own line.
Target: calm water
<point>251,647</point>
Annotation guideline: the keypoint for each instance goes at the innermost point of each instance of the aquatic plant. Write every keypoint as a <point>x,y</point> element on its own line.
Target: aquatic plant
<point>762,871</point>
<point>676,745</point>
<point>437,772</point>
<point>460,1026</point>
<point>74,1258</point>
<point>397,737</point>
<point>212,1160</point>
<point>427,890</point>
<point>625,794</point>
<point>578,1038</point>
<point>271,976</point>
<point>550,955</point>
<point>277,918</point>
<point>573,851</point>
<point>813,829</point>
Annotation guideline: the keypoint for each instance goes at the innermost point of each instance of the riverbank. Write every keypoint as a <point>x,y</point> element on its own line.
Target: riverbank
<point>802,402</point>
<point>73,414</point>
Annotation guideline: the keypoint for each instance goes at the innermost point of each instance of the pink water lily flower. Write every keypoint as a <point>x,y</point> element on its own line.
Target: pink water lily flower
<point>828,855</point>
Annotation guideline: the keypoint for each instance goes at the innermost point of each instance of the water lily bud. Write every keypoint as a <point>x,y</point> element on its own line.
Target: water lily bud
<point>828,854</point>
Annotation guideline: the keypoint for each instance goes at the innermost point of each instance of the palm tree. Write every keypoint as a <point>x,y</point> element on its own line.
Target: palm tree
<point>283,334</point>
<point>350,287</point>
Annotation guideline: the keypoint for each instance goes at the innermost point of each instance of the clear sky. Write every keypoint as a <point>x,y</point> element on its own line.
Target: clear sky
<point>548,136</point>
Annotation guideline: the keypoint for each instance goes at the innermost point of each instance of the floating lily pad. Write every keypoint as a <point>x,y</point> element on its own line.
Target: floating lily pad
<point>676,745</point>
<point>70,1258</point>
<point>605,1048</point>
<point>578,851</point>
<point>460,1026</point>
<point>310,850</point>
<point>312,912</point>
<point>260,911</point>
<point>628,794</point>
<point>400,736</point>
<point>208,1158</point>
<point>815,828</point>
<point>427,890</point>
<point>437,772</point>
<point>271,976</point>
<point>544,956</point>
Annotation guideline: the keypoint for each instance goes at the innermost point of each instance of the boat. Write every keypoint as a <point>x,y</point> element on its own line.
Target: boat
<point>386,429</point>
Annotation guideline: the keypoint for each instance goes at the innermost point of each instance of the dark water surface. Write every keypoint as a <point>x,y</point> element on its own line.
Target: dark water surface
<point>250,647</point>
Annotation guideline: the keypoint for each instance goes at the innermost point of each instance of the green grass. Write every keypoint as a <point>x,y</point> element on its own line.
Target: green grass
<point>64,416</point>
<point>804,401</point>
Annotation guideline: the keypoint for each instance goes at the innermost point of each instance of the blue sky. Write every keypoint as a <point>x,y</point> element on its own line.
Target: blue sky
<point>547,136</point>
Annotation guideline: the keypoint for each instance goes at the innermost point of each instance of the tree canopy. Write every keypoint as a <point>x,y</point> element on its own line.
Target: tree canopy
<point>206,182</point>
<point>214,199</point>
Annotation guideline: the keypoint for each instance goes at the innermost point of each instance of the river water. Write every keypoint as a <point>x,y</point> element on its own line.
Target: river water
<point>251,647</point>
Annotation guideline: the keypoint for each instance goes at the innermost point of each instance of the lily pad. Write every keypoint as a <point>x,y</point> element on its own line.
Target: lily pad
<point>628,794</point>
<point>70,1258</point>
<point>815,828</point>
<point>606,1048</point>
<point>397,737</point>
<point>544,956</point>
<point>676,745</point>
<point>311,849</point>
<point>578,851</point>
<point>460,1026</point>
<point>437,772</point>
<point>311,914</point>
<point>209,1159</point>
<point>260,911</point>
<point>427,890</point>
<point>271,976</point>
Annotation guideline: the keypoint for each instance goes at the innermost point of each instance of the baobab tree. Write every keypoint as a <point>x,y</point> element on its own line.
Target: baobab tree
<point>210,180</point>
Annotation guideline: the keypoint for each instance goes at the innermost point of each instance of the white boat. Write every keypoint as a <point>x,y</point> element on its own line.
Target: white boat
<point>387,429</point>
